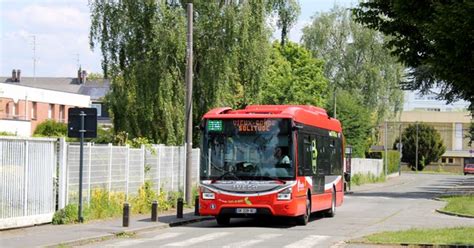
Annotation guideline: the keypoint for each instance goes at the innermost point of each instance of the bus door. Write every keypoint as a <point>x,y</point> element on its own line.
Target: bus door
<point>316,165</point>
<point>310,165</point>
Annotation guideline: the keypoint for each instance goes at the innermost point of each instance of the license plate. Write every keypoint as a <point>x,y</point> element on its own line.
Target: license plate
<point>246,210</point>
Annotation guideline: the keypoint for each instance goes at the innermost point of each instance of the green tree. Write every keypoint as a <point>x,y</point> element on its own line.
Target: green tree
<point>356,61</point>
<point>143,52</point>
<point>95,76</point>
<point>430,145</point>
<point>433,38</point>
<point>294,77</point>
<point>356,122</point>
<point>51,128</point>
<point>287,12</point>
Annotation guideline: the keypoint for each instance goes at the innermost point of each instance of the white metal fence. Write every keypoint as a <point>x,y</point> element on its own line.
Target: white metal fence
<point>27,172</point>
<point>29,167</point>
<point>123,169</point>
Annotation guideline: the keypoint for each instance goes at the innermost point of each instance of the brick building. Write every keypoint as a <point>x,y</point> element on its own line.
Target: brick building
<point>25,101</point>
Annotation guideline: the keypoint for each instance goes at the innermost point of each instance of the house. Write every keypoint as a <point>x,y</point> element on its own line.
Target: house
<point>452,121</point>
<point>26,101</point>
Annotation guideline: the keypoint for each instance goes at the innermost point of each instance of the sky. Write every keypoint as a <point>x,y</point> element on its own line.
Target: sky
<point>56,33</point>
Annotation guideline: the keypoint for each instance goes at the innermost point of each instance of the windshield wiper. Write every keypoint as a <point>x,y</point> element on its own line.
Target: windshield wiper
<point>273,178</point>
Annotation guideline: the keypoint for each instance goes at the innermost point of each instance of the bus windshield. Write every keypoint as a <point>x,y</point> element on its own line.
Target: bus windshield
<point>247,149</point>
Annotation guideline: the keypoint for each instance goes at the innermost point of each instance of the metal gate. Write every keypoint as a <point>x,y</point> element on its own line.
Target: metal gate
<point>27,174</point>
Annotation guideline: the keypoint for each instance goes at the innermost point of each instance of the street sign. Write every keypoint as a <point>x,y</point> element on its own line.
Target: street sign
<point>74,122</point>
<point>82,123</point>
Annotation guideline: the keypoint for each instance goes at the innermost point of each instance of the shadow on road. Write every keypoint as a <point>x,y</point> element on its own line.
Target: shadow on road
<point>261,221</point>
<point>430,191</point>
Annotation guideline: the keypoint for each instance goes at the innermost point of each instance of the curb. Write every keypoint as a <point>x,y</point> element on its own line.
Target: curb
<point>453,214</point>
<point>410,244</point>
<point>108,236</point>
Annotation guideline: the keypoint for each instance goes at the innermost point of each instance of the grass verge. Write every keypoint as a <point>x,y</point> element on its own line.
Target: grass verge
<point>359,179</point>
<point>444,236</point>
<point>460,204</point>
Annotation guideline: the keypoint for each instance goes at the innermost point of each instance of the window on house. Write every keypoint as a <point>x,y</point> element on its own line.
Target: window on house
<point>451,160</point>
<point>97,106</point>
<point>7,110</point>
<point>61,113</point>
<point>15,109</point>
<point>51,111</point>
<point>34,110</point>
<point>443,160</point>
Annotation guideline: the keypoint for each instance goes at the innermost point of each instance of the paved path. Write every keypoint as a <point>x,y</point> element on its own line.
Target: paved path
<point>47,235</point>
<point>402,203</point>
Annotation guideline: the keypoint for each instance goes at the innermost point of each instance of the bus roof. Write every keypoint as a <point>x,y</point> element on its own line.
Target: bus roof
<point>305,114</point>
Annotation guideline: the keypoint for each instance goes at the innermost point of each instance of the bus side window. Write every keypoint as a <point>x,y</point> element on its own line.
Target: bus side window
<point>336,157</point>
<point>308,168</point>
<point>300,154</point>
<point>304,155</point>
<point>324,155</point>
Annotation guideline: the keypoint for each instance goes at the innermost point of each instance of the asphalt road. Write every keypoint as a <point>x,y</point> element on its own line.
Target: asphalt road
<point>401,203</point>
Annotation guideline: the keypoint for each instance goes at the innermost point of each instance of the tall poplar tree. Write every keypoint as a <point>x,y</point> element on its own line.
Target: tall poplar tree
<point>143,46</point>
<point>356,61</point>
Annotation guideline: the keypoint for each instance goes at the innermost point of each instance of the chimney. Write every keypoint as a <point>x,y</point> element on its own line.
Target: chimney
<point>13,75</point>
<point>18,75</point>
<point>84,76</point>
<point>79,76</point>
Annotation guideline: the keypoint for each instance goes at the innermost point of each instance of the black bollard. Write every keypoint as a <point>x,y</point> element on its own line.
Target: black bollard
<point>196,206</point>
<point>126,214</point>
<point>179,208</point>
<point>154,211</point>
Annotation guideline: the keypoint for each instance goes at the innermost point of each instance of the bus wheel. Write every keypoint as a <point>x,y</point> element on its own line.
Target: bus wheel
<point>223,220</point>
<point>303,220</point>
<point>332,211</point>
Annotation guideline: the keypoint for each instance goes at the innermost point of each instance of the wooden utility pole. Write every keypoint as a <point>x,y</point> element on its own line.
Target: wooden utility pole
<point>189,104</point>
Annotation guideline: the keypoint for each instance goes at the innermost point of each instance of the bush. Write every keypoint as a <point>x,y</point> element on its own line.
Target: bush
<point>51,128</point>
<point>66,215</point>
<point>104,135</point>
<point>142,202</point>
<point>3,133</point>
<point>173,198</point>
<point>105,204</point>
<point>393,161</point>
<point>430,145</point>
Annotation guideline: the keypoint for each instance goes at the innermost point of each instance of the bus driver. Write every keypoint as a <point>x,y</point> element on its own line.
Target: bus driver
<point>281,159</point>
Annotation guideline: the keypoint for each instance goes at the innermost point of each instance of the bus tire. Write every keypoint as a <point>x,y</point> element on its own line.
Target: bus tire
<point>223,220</point>
<point>303,220</point>
<point>332,211</point>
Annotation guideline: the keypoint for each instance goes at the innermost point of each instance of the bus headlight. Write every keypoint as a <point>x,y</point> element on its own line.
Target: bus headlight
<point>207,194</point>
<point>284,195</point>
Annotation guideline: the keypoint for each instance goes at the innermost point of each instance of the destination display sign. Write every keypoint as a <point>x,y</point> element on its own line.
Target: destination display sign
<point>254,125</point>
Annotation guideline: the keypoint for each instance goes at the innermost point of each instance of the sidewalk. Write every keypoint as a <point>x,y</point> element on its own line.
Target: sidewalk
<point>75,234</point>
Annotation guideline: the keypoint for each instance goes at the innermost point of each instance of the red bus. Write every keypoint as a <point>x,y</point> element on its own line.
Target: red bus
<point>278,160</point>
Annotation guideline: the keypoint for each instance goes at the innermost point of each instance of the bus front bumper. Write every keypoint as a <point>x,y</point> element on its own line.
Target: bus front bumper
<point>252,206</point>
